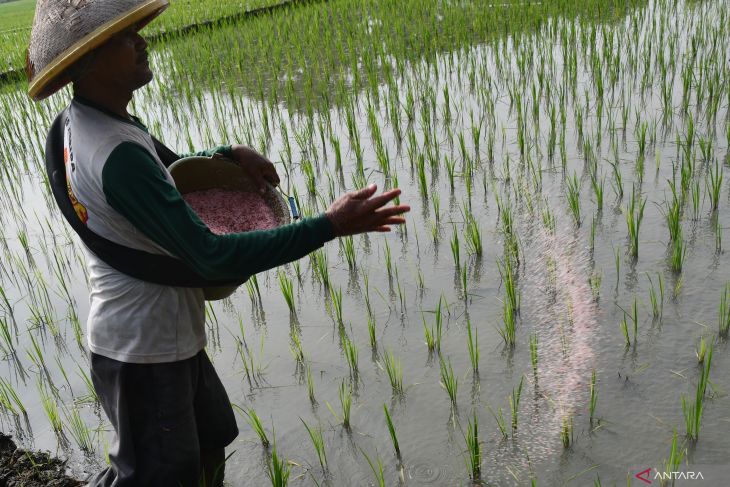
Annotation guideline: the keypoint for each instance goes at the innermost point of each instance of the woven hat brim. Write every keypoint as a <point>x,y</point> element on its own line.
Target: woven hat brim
<point>53,77</point>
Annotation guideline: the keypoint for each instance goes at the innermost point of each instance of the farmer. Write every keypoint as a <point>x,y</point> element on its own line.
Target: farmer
<point>169,410</point>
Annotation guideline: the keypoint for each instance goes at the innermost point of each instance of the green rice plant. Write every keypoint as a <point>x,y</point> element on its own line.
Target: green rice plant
<point>501,423</point>
<point>448,380</point>
<point>50,407</point>
<point>296,347</point>
<point>473,236</point>
<point>473,449</point>
<point>318,442</point>
<point>512,295</point>
<point>533,353</point>
<point>436,204</point>
<point>593,398</point>
<point>679,252</point>
<point>594,281</point>
<point>277,469</point>
<point>455,248</point>
<point>673,214</point>
<point>472,343</point>
<point>79,431</point>
<point>350,354</point>
<point>617,183</point>
<point>310,177</point>
<point>320,267</point>
<point>371,333</point>
<point>252,286</point>
<point>701,349</point>
<point>391,430</point>
<point>508,330</point>
<point>433,334</point>
<point>254,421</point>
<point>287,290</point>
<point>9,398</point>
<point>693,411</point>
<point>573,196</point>
<point>336,300</point>
<point>674,462</point>
<point>566,431</point>
<point>634,215</point>
<point>514,403</point>
<point>718,236</point>
<point>310,385</point>
<point>696,200</point>
<point>597,185</point>
<point>713,183</point>
<point>635,318</point>
<point>345,396</point>
<point>724,313</point>
<point>348,248</point>
<point>421,172</point>
<point>548,219</point>
<point>395,372</point>
<point>377,468</point>
<point>6,337</point>
<point>657,304</point>
<point>625,331</point>
<point>388,260</point>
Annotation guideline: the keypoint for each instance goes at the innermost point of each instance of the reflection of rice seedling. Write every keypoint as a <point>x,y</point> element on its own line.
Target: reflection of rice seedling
<point>473,448</point>
<point>693,412</point>
<point>533,353</point>
<point>394,371</point>
<point>448,381</point>
<point>318,442</point>
<point>566,431</point>
<point>593,398</point>
<point>391,430</point>
<point>473,346</point>
<point>514,403</point>
<point>287,290</point>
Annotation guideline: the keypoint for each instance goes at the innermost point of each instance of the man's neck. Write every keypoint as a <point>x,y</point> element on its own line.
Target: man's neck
<point>112,102</point>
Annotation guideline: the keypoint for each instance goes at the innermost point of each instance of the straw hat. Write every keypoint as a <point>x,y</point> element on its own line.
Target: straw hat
<point>65,30</point>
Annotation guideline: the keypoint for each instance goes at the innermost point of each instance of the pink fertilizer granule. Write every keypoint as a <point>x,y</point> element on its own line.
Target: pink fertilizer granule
<point>231,211</point>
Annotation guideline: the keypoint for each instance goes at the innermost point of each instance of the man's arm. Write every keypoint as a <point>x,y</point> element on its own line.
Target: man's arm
<point>135,186</point>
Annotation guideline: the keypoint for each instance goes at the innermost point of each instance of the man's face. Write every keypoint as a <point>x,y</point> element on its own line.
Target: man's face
<point>122,62</point>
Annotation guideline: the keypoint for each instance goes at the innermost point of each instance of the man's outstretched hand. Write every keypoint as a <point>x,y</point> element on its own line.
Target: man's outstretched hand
<point>361,212</point>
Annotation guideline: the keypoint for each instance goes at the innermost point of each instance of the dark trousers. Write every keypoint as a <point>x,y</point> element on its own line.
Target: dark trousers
<point>171,420</point>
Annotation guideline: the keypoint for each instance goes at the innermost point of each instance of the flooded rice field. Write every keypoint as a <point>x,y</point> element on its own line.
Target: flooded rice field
<point>556,309</point>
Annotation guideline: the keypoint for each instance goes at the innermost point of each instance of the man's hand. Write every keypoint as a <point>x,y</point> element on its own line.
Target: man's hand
<point>361,212</point>
<point>256,166</point>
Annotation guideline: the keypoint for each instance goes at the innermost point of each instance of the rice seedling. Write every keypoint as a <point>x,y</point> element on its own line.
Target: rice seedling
<point>597,185</point>
<point>318,442</point>
<point>679,252</point>
<point>509,280</point>
<point>350,354</point>
<point>377,469</point>
<point>566,431</point>
<point>693,411</point>
<point>79,431</point>
<point>371,333</point>
<point>254,421</point>
<point>634,215</point>
<point>473,236</point>
<point>336,306</point>
<point>533,354</point>
<point>724,313</point>
<point>310,385</point>
<point>701,349</point>
<point>474,449</point>
<point>348,249</point>
<point>320,266</point>
<point>455,248</point>
<point>514,404</point>
<point>674,462</point>
<point>434,333</point>
<point>391,430</point>
<point>296,348</point>
<point>50,407</point>
<point>449,381</point>
<point>508,330</point>
<point>287,290</point>
<point>472,343</point>
<point>625,331</point>
<point>277,469</point>
<point>394,370</point>
<point>657,304</point>
<point>713,183</point>
<point>593,398</point>
<point>388,260</point>
<point>573,196</point>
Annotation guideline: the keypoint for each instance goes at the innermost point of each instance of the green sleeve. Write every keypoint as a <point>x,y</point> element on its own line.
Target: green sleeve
<point>135,186</point>
<point>225,150</point>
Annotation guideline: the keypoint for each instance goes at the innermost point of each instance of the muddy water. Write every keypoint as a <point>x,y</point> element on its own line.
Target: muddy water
<point>577,326</point>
